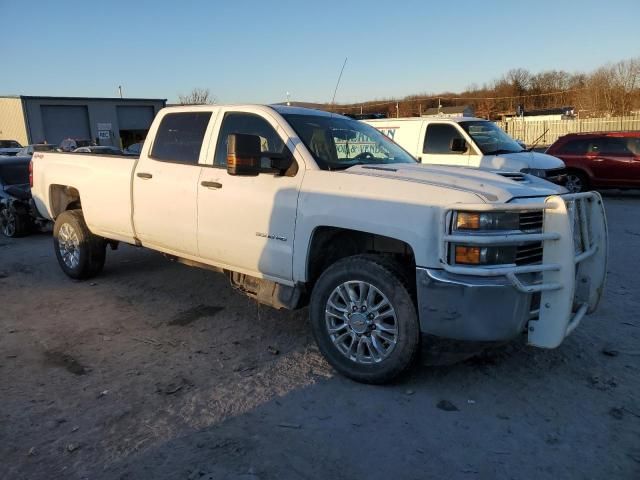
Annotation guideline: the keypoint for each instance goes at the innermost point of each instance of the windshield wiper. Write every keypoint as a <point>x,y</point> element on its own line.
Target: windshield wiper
<point>537,140</point>
<point>344,166</point>
<point>503,150</point>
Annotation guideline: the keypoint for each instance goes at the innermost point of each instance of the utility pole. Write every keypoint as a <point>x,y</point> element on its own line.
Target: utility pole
<point>420,110</point>
<point>397,110</point>
<point>288,102</point>
<point>120,90</point>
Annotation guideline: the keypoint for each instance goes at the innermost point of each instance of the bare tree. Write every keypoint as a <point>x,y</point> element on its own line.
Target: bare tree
<point>613,89</point>
<point>198,96</point>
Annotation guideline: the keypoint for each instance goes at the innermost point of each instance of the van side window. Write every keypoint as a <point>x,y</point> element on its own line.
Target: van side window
<point>179,137</point>
<point>251,124</point>
<point>438,138</point>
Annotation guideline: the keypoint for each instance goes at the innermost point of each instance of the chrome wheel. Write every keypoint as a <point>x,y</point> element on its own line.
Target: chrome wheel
<point>361,322</point>
<point>8,220</point>
<point>69,246</point>
<point>574,183</point>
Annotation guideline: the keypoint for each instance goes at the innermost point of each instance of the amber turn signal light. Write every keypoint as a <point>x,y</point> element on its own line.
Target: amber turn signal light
<point>467,255</point>
<point>468,221</point>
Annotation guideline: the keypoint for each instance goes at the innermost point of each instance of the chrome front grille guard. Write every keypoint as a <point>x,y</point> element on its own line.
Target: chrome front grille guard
<point>572,277</point>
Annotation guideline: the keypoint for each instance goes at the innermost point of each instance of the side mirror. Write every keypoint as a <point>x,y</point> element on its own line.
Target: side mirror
<point>243,154</point>
<point>458,145</point>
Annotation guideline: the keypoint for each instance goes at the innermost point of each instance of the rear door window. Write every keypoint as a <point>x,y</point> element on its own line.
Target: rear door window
<point>615,146</point>
<point>633,144</point>
<point>438,139</point>
<point>180,136</point>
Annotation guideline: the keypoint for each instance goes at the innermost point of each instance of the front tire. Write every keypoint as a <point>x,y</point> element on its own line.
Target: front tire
<point>576,182</point>
<point>80,253</point>
<point>364,319</point>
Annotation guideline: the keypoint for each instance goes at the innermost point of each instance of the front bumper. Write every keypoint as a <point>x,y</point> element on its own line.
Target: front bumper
<point>548,299</point>
<point>464,307</point>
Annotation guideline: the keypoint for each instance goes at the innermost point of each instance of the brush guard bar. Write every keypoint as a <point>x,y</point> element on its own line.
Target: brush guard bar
<point>570,278</point>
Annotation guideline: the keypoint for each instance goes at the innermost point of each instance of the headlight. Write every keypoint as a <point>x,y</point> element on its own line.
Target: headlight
<point>487,221</point>
<point>467,255</point>
<point>536,172</point>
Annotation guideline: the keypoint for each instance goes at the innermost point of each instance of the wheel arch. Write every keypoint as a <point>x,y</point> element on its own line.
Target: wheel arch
<point>328,244</point>
<point>63,198</point>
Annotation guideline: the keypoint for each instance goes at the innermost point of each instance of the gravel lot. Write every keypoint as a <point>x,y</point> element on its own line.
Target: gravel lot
<point>157,370</point>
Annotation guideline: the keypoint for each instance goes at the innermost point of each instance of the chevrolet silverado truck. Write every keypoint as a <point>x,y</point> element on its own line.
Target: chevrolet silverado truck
<point>384,250</point>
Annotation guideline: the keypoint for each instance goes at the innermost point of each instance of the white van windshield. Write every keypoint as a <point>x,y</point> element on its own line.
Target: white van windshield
<point>338,142</point>
<point>490,138</point>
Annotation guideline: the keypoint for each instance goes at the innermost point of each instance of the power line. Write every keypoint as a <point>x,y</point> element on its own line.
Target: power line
<point>433,97</point>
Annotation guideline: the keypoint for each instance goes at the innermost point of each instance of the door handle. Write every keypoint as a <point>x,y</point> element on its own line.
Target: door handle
<point>208,184</point>
<point>145,176</point>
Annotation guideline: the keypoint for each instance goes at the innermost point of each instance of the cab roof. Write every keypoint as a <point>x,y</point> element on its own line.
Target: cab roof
<point>282,109</point>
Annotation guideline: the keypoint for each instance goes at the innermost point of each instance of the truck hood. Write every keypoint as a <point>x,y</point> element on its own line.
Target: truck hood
<point>518,161</point>
<point>489,186</point>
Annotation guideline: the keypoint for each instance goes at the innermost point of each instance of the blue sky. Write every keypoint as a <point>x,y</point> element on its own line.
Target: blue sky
<point>255,51</point>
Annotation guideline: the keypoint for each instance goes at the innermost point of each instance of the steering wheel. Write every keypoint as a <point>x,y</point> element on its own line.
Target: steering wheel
<point>364,156</point>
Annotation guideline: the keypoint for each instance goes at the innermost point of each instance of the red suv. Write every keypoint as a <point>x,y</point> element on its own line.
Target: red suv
<point>599,160</point>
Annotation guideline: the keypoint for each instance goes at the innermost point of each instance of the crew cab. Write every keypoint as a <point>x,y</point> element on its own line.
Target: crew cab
<point>381,248</point>
<point>468,142</point>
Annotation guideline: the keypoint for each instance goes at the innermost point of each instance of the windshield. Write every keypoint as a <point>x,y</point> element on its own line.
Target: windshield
<point>490,138</point>
<point>9,144</point>
<point>337,142</point>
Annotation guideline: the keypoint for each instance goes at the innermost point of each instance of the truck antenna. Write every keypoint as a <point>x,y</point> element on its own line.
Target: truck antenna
<point>335,91</point>
<point>333,99</point>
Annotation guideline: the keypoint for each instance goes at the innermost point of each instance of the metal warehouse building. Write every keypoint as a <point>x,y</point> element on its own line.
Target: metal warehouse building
<point>107,121</point>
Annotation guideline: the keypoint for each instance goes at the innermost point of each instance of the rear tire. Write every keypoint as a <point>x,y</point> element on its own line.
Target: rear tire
<point>14,224</point>
<point>576,182</point>
<point>364,319</point>
<point>80,253</point>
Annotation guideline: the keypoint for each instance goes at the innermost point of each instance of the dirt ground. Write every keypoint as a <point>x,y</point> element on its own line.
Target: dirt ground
<point>157,370</point>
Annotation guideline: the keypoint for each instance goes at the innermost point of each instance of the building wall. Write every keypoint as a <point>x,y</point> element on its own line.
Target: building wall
<point>12,123</point>
<point>102,115</point>
<point>536,118</point>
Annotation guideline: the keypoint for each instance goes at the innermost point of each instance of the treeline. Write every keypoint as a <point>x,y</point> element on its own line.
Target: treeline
<point>613,89</point>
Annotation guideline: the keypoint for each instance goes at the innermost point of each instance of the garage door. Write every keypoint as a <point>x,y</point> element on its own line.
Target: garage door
<point>65,121</point>
<point>135,118</point>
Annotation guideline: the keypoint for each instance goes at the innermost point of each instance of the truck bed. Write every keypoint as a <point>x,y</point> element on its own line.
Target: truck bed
<point>103,183</point>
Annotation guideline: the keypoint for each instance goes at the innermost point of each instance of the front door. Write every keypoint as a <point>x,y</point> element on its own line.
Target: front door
<point>165,185</point>
<point>247,223</point>
<point>437,146</point>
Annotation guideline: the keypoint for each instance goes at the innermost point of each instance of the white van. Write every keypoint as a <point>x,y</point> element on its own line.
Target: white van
<point>467,142</point>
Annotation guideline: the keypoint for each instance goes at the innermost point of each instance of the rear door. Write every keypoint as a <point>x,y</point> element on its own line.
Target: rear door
<point>633,144</point>
<point>165,184</point>
<point>612,162</point>
<point>436,148</point>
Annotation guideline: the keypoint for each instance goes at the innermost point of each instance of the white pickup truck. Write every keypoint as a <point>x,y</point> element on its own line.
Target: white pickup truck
<point>382,248</point>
